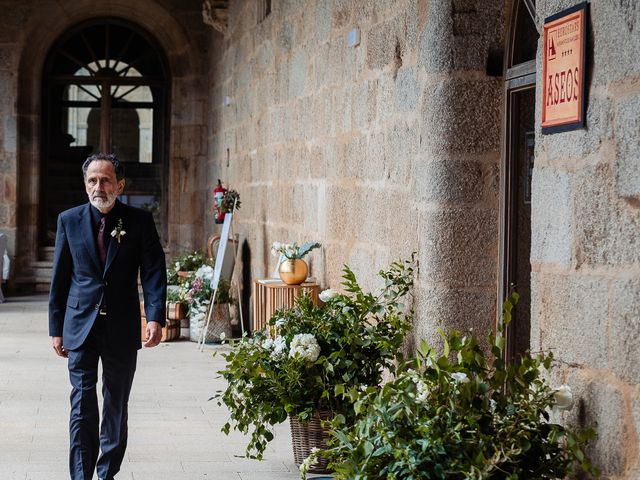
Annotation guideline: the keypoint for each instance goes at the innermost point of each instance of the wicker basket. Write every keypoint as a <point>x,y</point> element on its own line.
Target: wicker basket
<point>220,324</point>
<point>308,435</point>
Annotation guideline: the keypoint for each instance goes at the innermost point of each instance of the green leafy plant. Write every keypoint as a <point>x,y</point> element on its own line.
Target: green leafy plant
<point>460,415</point>
<point>176,294</point>
<point>293,251</point>
<point>194,289</point>
<point>318,357</point>
<point>186,262</point>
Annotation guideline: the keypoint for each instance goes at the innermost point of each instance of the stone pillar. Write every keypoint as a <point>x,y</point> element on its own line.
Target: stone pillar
<point>456,174</point>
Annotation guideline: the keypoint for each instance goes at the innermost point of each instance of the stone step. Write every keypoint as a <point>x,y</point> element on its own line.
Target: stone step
<point>42,271</point>
<point>45,254</point>
<point>39,284</point>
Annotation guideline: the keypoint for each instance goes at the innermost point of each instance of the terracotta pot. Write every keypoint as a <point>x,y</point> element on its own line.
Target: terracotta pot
<point>293,272</point>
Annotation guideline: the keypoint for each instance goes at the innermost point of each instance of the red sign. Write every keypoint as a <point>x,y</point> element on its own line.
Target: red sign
<point>563,70</point>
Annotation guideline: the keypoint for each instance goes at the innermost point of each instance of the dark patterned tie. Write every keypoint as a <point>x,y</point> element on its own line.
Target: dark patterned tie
<point>102,249</point>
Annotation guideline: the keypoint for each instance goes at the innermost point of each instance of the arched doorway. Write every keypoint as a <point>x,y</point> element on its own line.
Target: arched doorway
<point>105,88</point>
<point>517,171</point>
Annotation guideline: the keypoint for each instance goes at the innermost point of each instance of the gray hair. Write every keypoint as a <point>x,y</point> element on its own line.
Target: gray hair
<point>107,157</point>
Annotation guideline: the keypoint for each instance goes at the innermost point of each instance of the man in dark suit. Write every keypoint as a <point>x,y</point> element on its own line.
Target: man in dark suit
<point>94,311</point>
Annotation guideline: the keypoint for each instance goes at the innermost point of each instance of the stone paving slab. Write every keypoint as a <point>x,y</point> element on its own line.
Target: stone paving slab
<point>174,430</point>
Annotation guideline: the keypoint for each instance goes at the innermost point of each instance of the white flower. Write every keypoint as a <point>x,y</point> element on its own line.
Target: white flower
<point>205,272</point>
<point>422,393</point>
<point>306,463</point>
<point>177,266</point>
<point>305,345</point>
<point>493,404</point>
<point>267,344</point>
<point>328,294</point>
<point>363,388</point>
<point>291,250</point>
<point>279,348</point>
<point>460,377</point>
<point>275,248</point>
<point>280,322</point>
<point>222,336</point>
<point>563,397</point>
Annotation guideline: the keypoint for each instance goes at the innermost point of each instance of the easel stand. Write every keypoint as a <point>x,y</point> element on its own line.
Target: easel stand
<point>227,228</point>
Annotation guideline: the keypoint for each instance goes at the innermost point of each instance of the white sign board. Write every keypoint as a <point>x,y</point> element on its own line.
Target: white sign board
<point>222,247</point>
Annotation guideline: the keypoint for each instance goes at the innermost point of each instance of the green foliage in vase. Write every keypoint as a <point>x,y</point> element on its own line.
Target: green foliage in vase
<point>318,357</point>
<point>456,414</point>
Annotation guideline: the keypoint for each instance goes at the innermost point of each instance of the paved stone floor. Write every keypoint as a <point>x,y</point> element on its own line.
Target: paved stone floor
<point>174,431</point>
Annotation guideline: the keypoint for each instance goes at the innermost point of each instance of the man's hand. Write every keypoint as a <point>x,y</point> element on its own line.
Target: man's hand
<point>56,342</point>
<point>154,334</point>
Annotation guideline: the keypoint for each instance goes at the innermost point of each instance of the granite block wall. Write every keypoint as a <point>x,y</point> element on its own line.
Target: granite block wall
<point>393,146</point>
<point>376,150</point>
<point>586,232</point>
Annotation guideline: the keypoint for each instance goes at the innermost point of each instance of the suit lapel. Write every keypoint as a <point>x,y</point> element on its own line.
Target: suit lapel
<point>86,228</point>
<point>114,244</point>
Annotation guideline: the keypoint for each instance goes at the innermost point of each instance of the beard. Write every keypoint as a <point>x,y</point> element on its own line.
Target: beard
<point>104,201</point>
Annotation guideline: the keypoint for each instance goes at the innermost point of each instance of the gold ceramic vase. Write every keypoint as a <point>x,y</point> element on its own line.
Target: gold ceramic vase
<point>293,272</point>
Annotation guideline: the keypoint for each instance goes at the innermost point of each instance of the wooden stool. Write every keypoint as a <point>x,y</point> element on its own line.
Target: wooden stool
<point>270,295</point>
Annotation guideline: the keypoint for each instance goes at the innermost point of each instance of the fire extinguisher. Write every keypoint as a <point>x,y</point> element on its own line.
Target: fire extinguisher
<point>218,195</point>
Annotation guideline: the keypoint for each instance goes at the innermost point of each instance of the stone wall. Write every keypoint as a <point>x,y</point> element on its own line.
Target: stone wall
<point>10,22</point>
<point>376,151</point>
<point>393,146</point>
<point>586,240</point>
<point>24,43</point>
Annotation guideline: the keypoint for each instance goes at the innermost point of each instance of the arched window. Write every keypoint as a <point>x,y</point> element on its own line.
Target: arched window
<point>105,89</point>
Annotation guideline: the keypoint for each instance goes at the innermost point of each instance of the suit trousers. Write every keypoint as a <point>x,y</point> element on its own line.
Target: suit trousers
<point>86,440</point>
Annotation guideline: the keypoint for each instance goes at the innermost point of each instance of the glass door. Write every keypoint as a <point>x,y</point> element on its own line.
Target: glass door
<point>105,90</point>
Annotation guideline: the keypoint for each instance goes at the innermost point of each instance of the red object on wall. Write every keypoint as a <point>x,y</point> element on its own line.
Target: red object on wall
<point>218,195</point>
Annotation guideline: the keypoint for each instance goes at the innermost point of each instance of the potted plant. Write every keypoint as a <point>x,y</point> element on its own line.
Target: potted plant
<point>293,270</point>
<point>198,292</point>
<point>184,265</point>
<point>455,413</point>
<point>317,356</point>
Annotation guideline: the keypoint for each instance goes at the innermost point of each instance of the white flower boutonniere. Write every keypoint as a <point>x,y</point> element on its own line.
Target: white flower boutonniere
<point>118,232</point>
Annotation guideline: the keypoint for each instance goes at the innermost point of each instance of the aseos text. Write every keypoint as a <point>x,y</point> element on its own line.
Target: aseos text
<point>563,87</point>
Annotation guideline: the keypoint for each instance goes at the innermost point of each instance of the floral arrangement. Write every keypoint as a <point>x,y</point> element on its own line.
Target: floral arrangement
<point>229,199</point>
<point>460,415</point>
<point>291,250</point>
<point>187,262</point>
<point>320,356</point>
<point>195,289</point>
<point>119,231</point>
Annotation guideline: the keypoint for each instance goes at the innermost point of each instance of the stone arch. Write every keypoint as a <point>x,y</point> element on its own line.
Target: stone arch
<point>174,38</point>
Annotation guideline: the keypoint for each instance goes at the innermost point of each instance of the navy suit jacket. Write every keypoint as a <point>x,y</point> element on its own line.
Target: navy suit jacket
<point>80,285</point>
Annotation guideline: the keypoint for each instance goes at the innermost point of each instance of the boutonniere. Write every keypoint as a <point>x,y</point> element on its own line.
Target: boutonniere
<point>118,232</point>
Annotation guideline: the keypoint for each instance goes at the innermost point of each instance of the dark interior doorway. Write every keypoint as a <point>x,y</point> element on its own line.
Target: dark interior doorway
<point>517,168</point>
<point>105,88</point>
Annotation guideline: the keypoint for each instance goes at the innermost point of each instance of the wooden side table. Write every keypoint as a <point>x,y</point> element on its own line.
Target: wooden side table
<point>270,295</point>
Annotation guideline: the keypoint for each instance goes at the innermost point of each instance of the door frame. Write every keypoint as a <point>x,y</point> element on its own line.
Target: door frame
<point>161,111</point>
<point>516,79</point>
